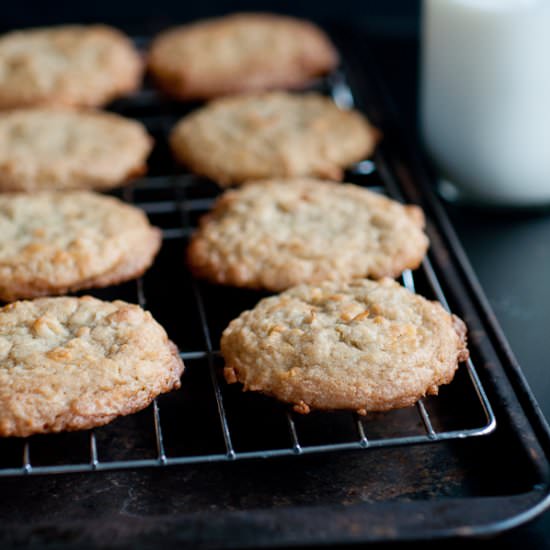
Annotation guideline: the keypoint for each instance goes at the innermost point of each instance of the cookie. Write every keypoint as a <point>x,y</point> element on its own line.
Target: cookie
<point>76,363</point>
<point>53,148</point>
<point>67,65</point>
<point>274,234</point>
<point>53,243</point>
<point>275,134</point>
<point>239,53</point>
<point>364,346</point>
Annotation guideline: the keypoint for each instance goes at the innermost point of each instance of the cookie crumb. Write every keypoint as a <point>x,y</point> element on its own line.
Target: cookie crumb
<point>230,375</point>
<point>301,408</point>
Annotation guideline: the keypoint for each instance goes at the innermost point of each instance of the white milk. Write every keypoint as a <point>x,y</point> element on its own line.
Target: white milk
<point>485,97</point>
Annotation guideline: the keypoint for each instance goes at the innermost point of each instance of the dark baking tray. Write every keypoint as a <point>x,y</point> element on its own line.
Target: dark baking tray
<point>464,487</point>
<point>233,426</point>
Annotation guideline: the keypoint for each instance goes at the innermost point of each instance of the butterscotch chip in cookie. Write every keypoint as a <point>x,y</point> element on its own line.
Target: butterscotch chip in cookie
<point>239,53</point>
<point>274,234</point>
<point>53,148</point>
<point>75,363</point>
<point>364,346</point>
<point>53,243</point>
<point>274,134</point>
<point>67,65</point>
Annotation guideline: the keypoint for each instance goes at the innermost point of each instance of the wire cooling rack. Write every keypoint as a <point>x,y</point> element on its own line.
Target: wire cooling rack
<point>206,420</point>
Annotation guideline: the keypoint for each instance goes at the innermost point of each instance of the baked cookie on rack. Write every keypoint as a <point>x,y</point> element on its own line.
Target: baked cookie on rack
<point>87,65</point>
<point>275,134</point>
<point>239,53</point>
<point>76,363</point>
<point>363,346</point>
<point>274,234</point>
<point>59,148</point>
<point>53,243</point>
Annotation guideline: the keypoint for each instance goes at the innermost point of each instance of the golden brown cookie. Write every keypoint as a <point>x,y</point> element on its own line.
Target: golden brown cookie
<point>67,65</point>
<point>75,363</point>
<point>363,346</point>
<point>275,134</point>
<point>53,243</point>
<point>54,148</point>
<point>239,53</point>
<point>274,234</point>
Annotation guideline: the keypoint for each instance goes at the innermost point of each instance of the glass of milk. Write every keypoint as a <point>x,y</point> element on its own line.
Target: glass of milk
<point>485,99</point>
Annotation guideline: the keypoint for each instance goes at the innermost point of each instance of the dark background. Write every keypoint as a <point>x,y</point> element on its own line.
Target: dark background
<point>510,251</point>
<point>126,12</point>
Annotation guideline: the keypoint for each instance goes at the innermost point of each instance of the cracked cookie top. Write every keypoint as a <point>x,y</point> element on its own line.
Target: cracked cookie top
<point>52,243</point>
<point>75,363</point>
<point>58,149</point>
<point>239,53</point>
<point>278,233</point>
<point>276,134</point>
<point>77,65</point>
<point>363,345</point>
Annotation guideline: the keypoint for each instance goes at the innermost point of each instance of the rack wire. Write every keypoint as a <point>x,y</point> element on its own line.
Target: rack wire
<point>175,200</point>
